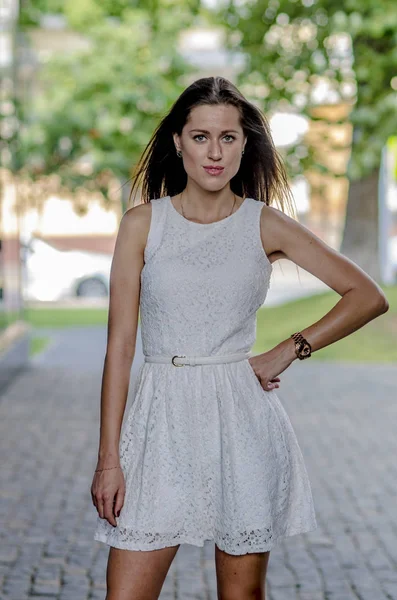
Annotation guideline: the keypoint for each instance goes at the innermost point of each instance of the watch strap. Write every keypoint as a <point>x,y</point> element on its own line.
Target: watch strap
<point>302,347</point>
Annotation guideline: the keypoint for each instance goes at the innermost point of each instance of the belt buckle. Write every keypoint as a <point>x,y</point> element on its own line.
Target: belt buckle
<point>178,356</point>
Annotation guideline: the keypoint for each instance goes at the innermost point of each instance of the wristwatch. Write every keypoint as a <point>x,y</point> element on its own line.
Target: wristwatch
<point>302,347</point>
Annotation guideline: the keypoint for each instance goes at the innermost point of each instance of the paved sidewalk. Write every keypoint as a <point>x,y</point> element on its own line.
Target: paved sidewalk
<point>345,419</point>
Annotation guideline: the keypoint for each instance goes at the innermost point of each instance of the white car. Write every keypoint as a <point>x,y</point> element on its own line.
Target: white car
<point>49,274</point>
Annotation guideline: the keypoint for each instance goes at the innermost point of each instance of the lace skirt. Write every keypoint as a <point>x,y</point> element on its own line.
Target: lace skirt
<point>208,455</point>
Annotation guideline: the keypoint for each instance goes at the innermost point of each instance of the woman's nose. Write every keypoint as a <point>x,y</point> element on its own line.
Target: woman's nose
<point>214,151</point>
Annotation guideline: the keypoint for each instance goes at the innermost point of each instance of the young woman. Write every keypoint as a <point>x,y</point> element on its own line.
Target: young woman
<point>207,451</point>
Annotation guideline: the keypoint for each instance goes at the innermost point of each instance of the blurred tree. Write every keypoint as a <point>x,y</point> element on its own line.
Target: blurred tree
<point>82,13</point>
<point>293,47</point>
<point>97,107</point>
<point>31,11</point>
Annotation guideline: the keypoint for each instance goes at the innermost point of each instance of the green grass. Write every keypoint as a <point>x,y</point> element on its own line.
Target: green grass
<point>375,342</point>
<point>9,317</point>
<point>38,344</point>
<point>66,317</point>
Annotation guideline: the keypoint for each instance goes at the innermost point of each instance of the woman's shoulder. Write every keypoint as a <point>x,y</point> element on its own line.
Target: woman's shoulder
<point>135,215</point>
<point>136,222</point>
<point>276,225</point>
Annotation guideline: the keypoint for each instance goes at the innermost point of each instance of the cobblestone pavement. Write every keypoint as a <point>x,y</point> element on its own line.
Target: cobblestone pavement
<point>345,418</point>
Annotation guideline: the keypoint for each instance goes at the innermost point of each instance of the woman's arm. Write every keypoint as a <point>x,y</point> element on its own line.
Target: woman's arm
<point>362,299</point>
<point>122,328</point>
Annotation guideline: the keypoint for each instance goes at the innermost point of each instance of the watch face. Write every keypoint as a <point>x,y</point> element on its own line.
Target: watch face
<point>304,350</point>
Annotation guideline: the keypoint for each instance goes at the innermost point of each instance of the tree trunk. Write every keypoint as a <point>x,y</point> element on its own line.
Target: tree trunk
<point>360,235</point>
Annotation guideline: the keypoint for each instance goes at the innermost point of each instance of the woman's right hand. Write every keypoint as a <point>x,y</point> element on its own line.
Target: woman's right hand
<point>107,492</point>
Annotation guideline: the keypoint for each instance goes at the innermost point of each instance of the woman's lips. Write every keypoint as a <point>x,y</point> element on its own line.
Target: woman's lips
<point>214,170</point>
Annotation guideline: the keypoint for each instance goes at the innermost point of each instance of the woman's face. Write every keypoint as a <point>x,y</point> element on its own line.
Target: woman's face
<point>211,137</point>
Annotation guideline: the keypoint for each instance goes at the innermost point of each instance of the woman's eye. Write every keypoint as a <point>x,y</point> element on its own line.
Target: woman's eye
<point>201,136</point>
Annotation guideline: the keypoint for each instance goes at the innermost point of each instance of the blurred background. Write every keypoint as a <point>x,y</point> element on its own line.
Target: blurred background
<point>85,82</point>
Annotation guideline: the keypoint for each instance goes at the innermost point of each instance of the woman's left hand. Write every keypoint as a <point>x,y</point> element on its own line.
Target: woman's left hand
<point>268,365</point>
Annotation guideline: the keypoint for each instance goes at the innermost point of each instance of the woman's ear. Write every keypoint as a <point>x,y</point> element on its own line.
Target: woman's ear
<point>176,141</point>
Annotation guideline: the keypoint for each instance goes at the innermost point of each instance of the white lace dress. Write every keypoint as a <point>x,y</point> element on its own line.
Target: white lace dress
<point>206,452</point>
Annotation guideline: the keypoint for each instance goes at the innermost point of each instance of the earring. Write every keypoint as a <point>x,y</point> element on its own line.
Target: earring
<point>242,152</point>
<point>179,153</point>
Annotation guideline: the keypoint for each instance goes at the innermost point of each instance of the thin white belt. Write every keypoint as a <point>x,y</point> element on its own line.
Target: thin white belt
<point>197,360</point>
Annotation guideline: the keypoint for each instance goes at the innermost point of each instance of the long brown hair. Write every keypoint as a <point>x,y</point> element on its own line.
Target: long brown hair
<point>262,174</point>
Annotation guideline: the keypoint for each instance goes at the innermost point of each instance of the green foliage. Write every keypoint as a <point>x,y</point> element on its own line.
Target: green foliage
<point>291,46</point>
<point>97,107</point>
<point>75,12</point>
<point>30,11</point>
<point>81,14</point>
<point>165,15</point>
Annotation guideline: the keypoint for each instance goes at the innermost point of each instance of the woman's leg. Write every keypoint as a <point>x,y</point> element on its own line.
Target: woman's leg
<point>137,575</point>
<point>241,577</point>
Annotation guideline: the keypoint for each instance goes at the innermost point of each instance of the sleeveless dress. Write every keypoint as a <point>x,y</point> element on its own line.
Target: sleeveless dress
<point>206,452</point>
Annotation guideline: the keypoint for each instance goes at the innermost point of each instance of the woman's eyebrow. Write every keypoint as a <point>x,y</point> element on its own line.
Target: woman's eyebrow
<point>205,131</point>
